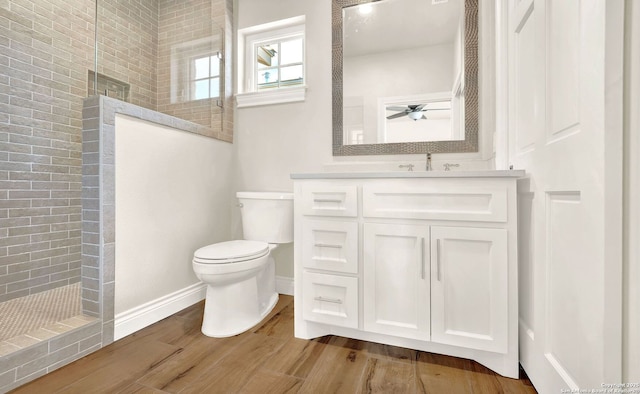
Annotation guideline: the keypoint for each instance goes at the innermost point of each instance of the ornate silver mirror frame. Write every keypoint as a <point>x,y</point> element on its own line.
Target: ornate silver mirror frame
<point>470,142</point>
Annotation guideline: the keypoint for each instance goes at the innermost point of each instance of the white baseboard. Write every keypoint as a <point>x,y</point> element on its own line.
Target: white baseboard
<point>144,315</point>
<point>284,285</point>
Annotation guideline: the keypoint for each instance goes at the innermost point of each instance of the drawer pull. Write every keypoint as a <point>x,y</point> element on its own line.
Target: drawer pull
<point>438,258</point>
<point>320,245</point>
<point>332,300</point>
<point>422,257</point>
<point>327,200</point>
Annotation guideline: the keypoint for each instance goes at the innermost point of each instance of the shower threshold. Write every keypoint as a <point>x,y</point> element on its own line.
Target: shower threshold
<point>28,320</point>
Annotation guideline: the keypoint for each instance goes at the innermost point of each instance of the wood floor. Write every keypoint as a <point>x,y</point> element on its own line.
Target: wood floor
<point>172,356</point>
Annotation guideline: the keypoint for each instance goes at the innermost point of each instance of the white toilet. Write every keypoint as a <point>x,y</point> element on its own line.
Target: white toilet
<point>240,275</point>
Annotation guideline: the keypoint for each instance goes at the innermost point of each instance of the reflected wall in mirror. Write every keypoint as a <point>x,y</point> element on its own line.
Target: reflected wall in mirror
<point>405,76</point>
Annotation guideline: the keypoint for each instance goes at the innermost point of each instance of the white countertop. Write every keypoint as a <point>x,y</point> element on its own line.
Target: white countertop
<point>413,174</point>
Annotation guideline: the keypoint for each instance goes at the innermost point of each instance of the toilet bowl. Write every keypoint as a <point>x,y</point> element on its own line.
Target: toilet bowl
<point>240,274</point>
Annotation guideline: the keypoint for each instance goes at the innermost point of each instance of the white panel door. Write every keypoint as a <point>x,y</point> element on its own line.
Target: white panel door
<point>396,280</point>
<point>469,287</point>
<point>565,66</point>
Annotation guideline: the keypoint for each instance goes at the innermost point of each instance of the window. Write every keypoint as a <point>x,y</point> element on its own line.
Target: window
<point>279,64</point>
<point>271,63</point>
<point>205,77</point>
<point>196,68</point>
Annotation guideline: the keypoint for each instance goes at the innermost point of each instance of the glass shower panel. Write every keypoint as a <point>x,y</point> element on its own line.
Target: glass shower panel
<point>195,70</point>
<point>164,55</point>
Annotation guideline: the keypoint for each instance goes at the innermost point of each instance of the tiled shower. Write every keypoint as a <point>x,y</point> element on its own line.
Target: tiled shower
<point>48,66</point>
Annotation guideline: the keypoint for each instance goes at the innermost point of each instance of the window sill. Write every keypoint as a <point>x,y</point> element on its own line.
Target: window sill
<point>276,96</point>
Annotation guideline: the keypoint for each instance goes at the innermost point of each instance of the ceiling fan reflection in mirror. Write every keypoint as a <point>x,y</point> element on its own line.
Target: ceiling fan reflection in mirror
<point>413,111</point>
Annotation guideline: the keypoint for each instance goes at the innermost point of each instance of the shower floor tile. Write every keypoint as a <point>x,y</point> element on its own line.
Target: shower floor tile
<point>28,320</point>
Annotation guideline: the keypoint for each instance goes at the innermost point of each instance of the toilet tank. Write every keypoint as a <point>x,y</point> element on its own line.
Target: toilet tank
<point>267,216</point>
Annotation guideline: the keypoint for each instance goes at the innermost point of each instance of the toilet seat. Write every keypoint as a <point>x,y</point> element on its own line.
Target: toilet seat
<point>231,252</point>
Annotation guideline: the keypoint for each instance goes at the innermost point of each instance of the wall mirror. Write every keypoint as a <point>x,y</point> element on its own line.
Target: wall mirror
<point>405,76</point>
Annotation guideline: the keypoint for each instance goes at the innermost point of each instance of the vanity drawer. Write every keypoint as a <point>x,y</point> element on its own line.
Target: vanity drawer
<point>327,200</point>
<point>436,202</point>
<point>330,299</point>
<point>330,245</point>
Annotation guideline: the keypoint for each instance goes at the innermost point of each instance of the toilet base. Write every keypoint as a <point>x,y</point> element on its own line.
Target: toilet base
<point>233,308</point>
<point>221,323</point>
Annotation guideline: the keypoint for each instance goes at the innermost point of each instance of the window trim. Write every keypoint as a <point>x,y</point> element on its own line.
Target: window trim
<point>247,94</point>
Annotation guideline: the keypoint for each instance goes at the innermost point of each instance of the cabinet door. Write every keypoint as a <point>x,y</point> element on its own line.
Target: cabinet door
<point>469,289</point>
<point>396,280</point>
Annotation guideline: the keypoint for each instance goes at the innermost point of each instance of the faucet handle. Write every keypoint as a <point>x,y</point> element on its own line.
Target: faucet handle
<point>409,166</point>
<point>447,166</point>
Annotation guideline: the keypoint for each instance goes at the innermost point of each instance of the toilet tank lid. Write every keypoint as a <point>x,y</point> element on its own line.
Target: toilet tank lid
<point>266,195</point>
<point>232,250</point>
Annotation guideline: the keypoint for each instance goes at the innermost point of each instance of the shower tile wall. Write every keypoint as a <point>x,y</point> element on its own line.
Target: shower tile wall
<point>128,46</point>
<point>46,51</point>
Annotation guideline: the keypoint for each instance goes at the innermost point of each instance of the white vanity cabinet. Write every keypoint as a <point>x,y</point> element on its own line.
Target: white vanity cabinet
<point>420,260</point>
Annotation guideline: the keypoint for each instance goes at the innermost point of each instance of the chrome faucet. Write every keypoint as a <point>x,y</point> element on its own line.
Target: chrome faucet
<point>409,166</point>
<point>428,166</point>
<point>447,166</point>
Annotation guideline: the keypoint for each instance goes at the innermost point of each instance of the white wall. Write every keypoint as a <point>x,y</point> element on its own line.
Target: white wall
<point>172,197</point>
<point>273,141</point>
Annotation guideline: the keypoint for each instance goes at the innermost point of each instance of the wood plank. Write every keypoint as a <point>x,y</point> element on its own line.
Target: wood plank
<point>508,385</point>
<point>237,367</point>
<point>391,353</point>
<point>339,368</point>
<point>192,313</point>
<point>382,376</point>
<point>485,381</point>
<point>270,382</point>
<point>136,388</point>
<point>297,357</point>
<point>442,374</point>
<point>275,324</point>
<point>188,366</point>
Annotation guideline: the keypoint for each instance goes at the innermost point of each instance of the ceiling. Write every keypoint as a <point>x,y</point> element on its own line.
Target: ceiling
<point>400,24</point>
